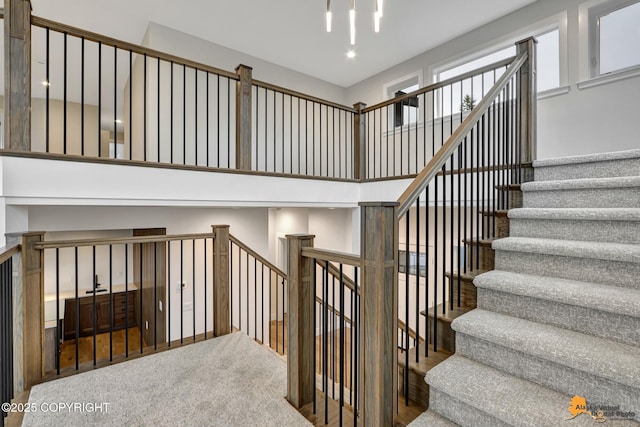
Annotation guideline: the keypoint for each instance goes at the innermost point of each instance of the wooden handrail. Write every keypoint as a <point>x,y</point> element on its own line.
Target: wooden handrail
<point>257,256</point>
<point>119,240</point>
<point>120,44</point>
<point>442,156</point>
<point>443,83</point>
<point>301,95</point>
<point>8,251</point>
<point>332,256</point>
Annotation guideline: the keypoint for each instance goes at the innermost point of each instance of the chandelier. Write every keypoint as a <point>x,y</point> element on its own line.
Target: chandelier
<point>352,18</point>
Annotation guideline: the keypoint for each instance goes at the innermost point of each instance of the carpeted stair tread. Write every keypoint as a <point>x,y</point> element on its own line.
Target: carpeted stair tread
<point>577,214</point>
<point>606,251</point>
<point>583,184</point>
<point>610,299</point>
<point>610,360</point>
<point>512,400</point>
<point>431,419</point>
<point>588,158</point>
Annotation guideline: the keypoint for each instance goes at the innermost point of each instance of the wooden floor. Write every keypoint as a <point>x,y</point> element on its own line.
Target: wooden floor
<point>406,414</point>
<point>85,347</point>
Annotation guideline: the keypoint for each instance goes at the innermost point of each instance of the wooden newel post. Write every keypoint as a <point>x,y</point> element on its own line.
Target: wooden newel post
<point>528,110</point>
<point>33,308</point>
<point>222,319</point>
<point>359,142</point>
<point>379,314</point>
<point>301,297</point>
<point>17,75</point>
<point>243,118</point>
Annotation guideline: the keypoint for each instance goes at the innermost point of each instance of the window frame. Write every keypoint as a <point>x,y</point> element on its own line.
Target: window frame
<point>594,13</point>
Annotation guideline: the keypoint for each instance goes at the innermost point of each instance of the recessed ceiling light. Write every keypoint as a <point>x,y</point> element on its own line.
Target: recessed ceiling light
<point>118,121</point>
<point>351,54</point>
<point>46,83</point>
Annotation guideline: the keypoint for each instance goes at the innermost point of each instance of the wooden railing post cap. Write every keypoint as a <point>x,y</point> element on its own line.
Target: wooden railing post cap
<point>301,236</point>
<point>378,204</point>
<point>359,105</point>
<point>241,67</point>
<point>220,226</point>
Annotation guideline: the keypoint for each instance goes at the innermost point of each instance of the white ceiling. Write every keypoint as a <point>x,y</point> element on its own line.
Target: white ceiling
<point>292,32</point>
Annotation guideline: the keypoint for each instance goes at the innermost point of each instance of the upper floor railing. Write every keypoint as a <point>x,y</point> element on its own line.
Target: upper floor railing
<point>95,97</point>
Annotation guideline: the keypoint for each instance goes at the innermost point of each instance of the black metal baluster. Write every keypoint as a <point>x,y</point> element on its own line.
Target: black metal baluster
<point>115,103</point>
<point>64,84</point>
<point>110,303</point>
<point>47,90</point>
<point>81,94</point>
<point>341,342</point>
<point>207,127</point>
<point>155,295</point>
<point>140,290</point>
<point>169,291</point>
<point>184,114</point>
<point>407,267</point>
<point>131,109</point>
<point>325,339</point>
<point>204,241</point>
<point>315,328</point>
<point>58,323</point>
<point>77,313</point>
<point>283,317</point>
<point>158,111</point>
<point>95,291</point>
<point>171,114</point>
<point>181,292</point>
<point>255,298</point>
<point>193,286</point>
<point>195,119</point>
<point>417,272</point>
<point>144,102</point>
<point>126,301</point>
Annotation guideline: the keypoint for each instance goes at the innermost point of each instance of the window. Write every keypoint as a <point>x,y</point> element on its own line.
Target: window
<point>548,62</point>
<point>614,36</point>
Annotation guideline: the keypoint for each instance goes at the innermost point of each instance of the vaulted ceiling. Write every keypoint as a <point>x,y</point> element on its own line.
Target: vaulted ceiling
<point>292,32</point>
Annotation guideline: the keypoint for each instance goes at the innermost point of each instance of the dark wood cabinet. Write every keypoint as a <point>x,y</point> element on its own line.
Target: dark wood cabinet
<point>119,307</point>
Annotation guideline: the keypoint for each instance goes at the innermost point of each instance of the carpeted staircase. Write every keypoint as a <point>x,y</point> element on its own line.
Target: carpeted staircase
<point>560,315</point>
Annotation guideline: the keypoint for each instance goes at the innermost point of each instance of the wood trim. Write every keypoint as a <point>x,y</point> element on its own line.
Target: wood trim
<point>438,85</point>
<point>140,163</point>
<point>301,333</point>
<point>449,172</point>
<point>257,256</point>
<point>243,118</point>
<point>332,256</point>
<point>301,95</point>
<point>221,289</point>
<point>120,240</point>
<point>17,70</point>
<point>33,309</point>
<point>120,44</point>
<point>9,251</point>
<point>379,314</point>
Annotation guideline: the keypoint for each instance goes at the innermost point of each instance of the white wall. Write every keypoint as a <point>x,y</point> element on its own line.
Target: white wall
<point>586,120</point>
<point>186,46</point>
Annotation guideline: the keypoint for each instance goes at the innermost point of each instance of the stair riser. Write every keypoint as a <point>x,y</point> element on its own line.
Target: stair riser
<point>446,336</point>
<point>468,294</point>
<point>563,379</point>
<point>480,257</point>
<point>594,231</point>
<point>461,413</point>
<point>613,326</point>
<point>418,388</point>
<point>622,274</point>
<point>606,169</point>
<point>584,198</point>
<point>514,199</point>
